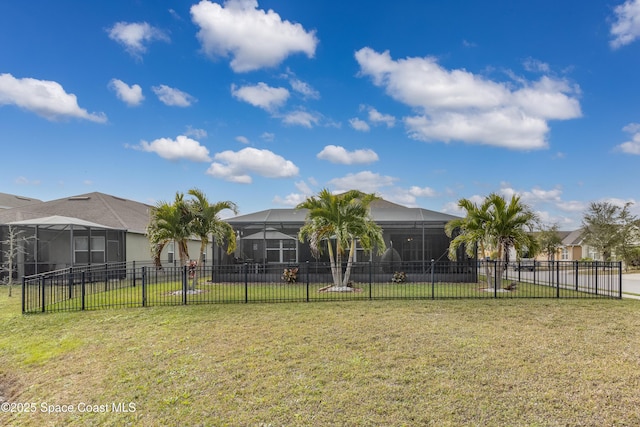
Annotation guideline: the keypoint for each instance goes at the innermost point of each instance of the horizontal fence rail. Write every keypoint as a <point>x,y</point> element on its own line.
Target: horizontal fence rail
<point>142,285</point>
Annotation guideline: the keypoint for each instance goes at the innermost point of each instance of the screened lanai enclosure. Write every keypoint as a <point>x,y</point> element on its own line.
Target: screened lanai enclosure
<point>413,237</point>
<point>57,242</point>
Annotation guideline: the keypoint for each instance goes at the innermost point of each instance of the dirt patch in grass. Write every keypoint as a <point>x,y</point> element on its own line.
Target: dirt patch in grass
<point>9,387</point>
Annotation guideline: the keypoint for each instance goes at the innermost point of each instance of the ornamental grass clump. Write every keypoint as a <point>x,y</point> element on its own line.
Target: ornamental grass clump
<point>290,275</point>
<point>399,277</point>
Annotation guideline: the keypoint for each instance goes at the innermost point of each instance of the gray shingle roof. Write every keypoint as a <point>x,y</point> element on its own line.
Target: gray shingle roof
<point>574,238</point>
<point>8,201</point>
<point>382,211</point>
<point>95,207</point>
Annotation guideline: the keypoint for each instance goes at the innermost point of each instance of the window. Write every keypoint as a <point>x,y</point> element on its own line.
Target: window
<point>565,254</point>
<point>170,252</point>
<point>81,250</point>
<point>83,253</point>
<point>281,251</point>
<point>97,250</point>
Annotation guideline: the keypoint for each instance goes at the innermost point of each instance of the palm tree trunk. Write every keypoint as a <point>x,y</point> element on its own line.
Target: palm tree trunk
<point>347,273</point>
<point>500,266</point>
<point>194,279</point>
<point>338,280</point>
<point>332,262</point>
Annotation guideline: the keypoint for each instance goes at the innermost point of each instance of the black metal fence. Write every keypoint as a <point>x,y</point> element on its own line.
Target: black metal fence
<point>135,285</point>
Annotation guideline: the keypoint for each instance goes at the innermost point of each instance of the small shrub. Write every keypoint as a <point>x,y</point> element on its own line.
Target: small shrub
<point>290,275</point>
<point>399,277</point>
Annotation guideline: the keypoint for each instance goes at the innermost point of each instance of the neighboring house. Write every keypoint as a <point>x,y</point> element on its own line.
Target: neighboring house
<point>79,230</point>
<point>95,228</point>
<point>412,235</point>
<point>9,201</point>
<point>573,247</point>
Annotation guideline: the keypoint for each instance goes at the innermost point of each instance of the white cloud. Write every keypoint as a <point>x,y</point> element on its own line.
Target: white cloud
<point>242,139</point>
<point>366,181</point>
<point>45,98</point>
<point>22,180</point>
<point>359,125</point>
<point>632,146</point>
<point>195,132</point>
<point>422,191</point>
<point>236,166</point>
<point>377,117</point>
<point>180,148</point>
<point>254,38</point>
<point>261,95</point>
<point>337,154</point>
<point>459,105</point>
<point>301,118</point>
<point>626,28</point>
<point>536,66</point>
<point>173,97</point>
<point>268,136</point>
<point>135,36</point>
<point>291,199</point>
<point>304,89</point>
<point>294,199</point>
<point>572,206</point>
<point>130,95</point>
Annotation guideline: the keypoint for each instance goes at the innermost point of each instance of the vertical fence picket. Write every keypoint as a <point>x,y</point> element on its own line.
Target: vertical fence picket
<point>620,279</point>
<point>83,290</point>
<point>557,265</point>
<point>370,280</point>
<point>433,280</point>
<point>307,269</point>
<point>24,294</point>
<point>144,286</point>
<point>246,282</point>
<point>43,288</point>
<point>184,284</point>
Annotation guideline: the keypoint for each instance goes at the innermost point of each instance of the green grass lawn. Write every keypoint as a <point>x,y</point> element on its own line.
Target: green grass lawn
<point>478,362</point>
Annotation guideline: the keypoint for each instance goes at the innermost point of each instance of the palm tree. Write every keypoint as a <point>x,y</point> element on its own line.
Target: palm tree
<point>511,226</point>
<point>206,222</point>
<point>495,224</point>
<point>345,219</point>
<point>471,232</point>
<point>170,222</point>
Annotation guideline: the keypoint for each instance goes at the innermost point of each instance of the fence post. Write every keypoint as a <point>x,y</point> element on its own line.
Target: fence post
<point>184,284</point>
<point>307,267</point>
<point>24,291</point>
<point>246,282</point>
<point>83,290</point>
<point>370,280</point>
<point>134,273</point>
<point>70,282</point>
<point>433,281</point>
<point>106,277</point>
<point>144,285</point>
<point>596,276</point>
<point>43,291</point>
<point>495,278</point>
<point>620,279</point>
<point>577,271</point>
<point>557,278</point>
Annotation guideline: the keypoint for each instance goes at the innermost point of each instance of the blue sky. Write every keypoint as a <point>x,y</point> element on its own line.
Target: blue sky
<point>265,103</point>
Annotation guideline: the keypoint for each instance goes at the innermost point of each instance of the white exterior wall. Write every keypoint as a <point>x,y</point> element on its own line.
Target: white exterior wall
<point>138,249</point>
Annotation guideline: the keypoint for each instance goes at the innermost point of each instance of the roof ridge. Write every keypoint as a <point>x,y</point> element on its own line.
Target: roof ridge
<point>108,206</point>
